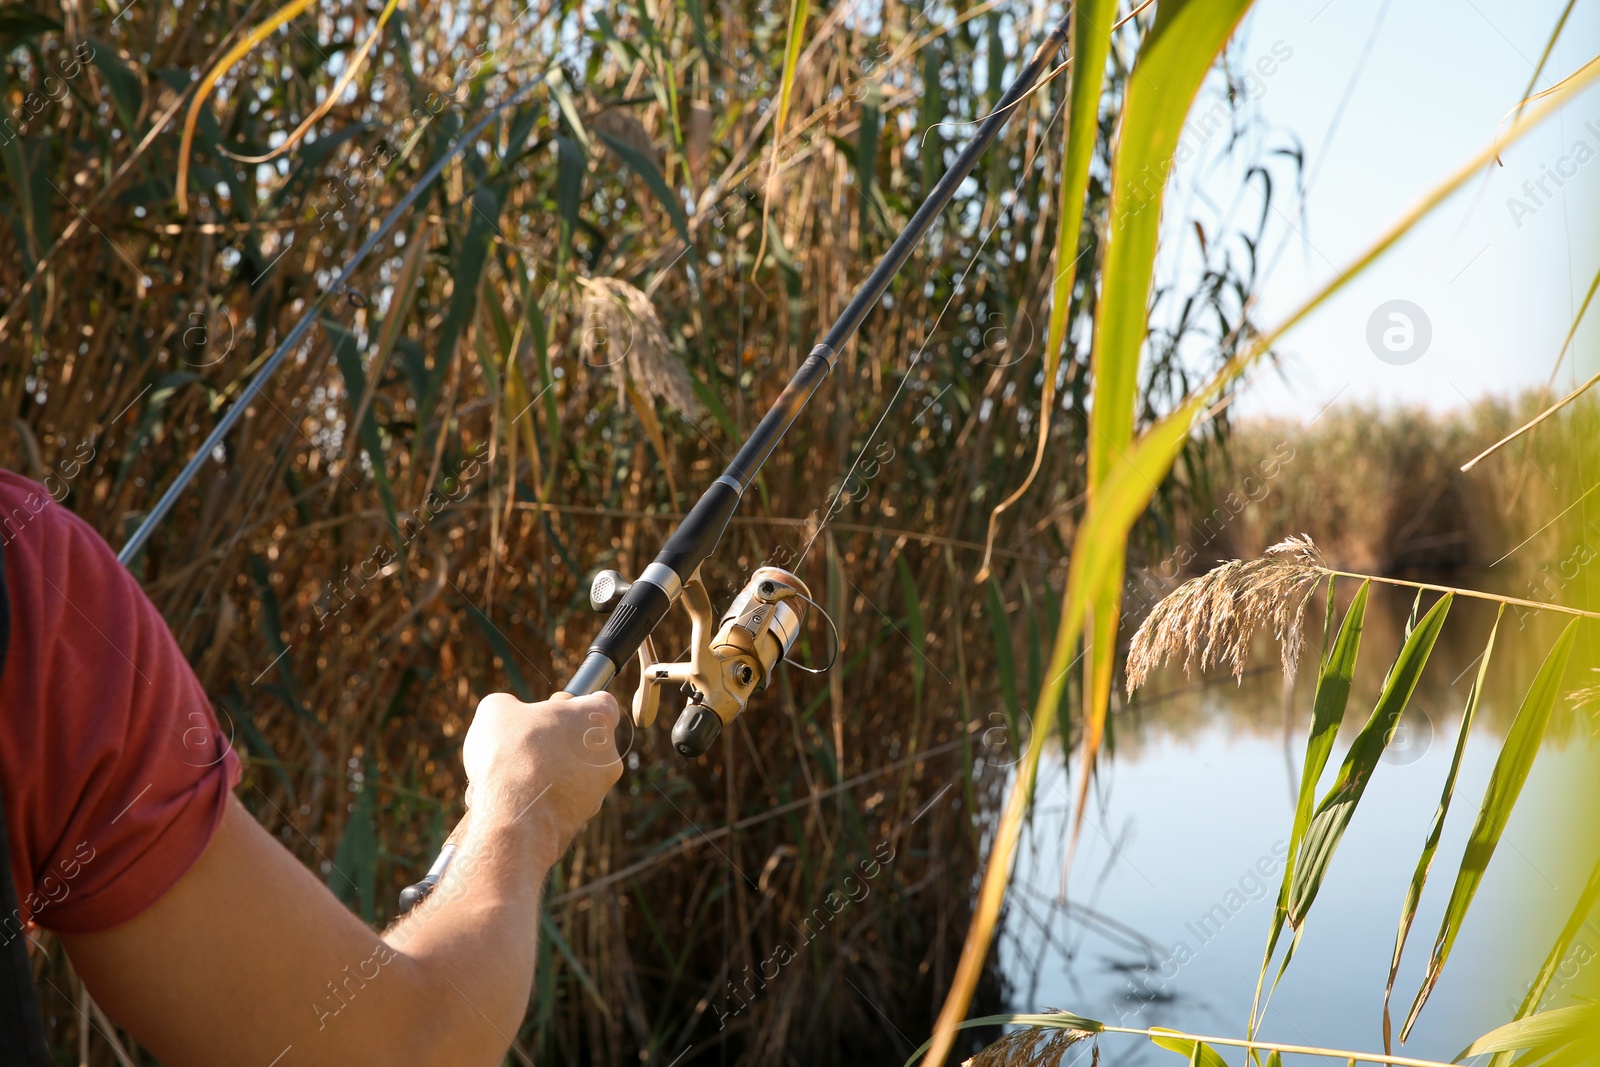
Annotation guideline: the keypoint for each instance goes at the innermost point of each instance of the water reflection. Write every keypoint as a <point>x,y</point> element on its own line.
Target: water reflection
<point>1183,845</point>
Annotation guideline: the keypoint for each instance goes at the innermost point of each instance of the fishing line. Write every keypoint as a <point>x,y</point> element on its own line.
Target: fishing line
<point>955,289</point>
<point>927,339</point>
<point>338,286</point>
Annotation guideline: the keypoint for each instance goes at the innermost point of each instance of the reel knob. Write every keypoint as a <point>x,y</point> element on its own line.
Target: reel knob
<point>695,731</point>
<point>607,590</point>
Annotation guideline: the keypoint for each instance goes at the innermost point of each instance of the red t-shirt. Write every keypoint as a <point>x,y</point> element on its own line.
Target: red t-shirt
<point>113,767</point>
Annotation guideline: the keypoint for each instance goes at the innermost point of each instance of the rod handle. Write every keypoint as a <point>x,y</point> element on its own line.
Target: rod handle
<point>412,895</point>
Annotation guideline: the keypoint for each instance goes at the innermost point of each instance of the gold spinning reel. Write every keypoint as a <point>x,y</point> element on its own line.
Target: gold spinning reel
<point>726,666</point>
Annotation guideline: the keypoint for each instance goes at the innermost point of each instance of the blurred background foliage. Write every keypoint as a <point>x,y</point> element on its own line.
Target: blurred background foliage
<point>530,379</point>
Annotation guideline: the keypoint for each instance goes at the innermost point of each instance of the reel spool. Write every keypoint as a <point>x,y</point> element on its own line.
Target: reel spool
<point>726,665</point>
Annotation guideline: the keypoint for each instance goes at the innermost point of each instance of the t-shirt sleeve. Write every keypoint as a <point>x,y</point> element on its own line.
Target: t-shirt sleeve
<point>130,767</point>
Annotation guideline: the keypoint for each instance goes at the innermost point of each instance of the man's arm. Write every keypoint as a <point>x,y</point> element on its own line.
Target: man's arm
<point>249,959</point>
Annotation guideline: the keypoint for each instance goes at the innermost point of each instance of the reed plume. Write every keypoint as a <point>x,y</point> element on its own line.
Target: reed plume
<point>1210,620</point>
<point>1033,1046</point>
<point>621,330</point>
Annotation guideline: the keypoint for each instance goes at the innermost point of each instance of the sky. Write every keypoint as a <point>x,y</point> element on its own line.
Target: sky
<point>1388,98</point>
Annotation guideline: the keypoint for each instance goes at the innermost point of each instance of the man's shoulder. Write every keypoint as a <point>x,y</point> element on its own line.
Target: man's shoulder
<point>29,505</point>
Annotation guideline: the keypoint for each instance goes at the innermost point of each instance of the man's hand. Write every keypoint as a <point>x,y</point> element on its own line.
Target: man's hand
<point>543,767</point>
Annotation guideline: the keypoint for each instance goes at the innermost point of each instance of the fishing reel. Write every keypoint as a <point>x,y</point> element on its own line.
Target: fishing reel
<point>729,659</point>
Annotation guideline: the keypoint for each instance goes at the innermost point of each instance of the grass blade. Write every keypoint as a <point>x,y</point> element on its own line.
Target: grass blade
<point>1544,1033</point>
<point>866,155</point>
<point>1558,953</point>
<point>1198,1053</point>
<point>1499,797</point>
<point>1173,61</point>
<point>1419,877</point>
<point>1005,664</point>
<point>357,383</point>
<point>645,168</point>
<point>1327,714</point>
<point>484,208</point>
<point>354,874</point>
<point>931,113</point>
<point>405,289</point>
<point>917,630</point>
<point>1091,43</point>
<point>1111,514</point>
<point>799,11</point>
<point>1333,815</point>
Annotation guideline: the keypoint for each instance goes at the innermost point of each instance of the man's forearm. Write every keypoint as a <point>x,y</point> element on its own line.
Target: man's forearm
<point>471,946</point>
<point>250,958</point>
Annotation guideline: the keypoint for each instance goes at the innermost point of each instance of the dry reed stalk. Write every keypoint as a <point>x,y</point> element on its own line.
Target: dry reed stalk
<point>1210,620</point>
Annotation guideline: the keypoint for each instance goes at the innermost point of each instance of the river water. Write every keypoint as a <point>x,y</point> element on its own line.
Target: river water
<point>1171,891</point>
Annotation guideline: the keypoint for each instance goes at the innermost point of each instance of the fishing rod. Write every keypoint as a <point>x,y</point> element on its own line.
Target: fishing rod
<point>732,658</point>
<point>302,327</point>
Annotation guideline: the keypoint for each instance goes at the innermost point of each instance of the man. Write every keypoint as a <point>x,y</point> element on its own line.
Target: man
<point>192,926</point>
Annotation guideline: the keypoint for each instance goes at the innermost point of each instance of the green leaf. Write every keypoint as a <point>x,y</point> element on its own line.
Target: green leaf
<point>483,215</point>
<point>127,93</point>
<point>502,648</point>
<point>713,404</point>
<point>1333,815</point>
<point>1548,1030</point>
<point>1198,1053</point>
<point>1327,713</point>
<point>553,934</point>
<point>1091,43</point>
<point>1000,628</point>
<point>569,190</point>
<point>354,877</point>
<point>1419,877</point>
<point>1173,61</point>
<point>866,152</point>
<point>569,111</point>
<point>346,353</point>
<point>799,10</point>
<point>645,168</point>
<point>1558,953</point>
<point>1327,710</point>
<point>914,624</point>
<point>31,237</point>
<point>1499,797</point>
<point>930,143</point>
<point>19,22</point>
